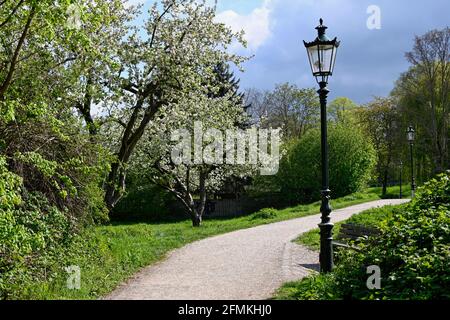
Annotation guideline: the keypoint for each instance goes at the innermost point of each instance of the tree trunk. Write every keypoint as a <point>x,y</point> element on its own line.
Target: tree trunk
<point>115,184</point>
<point>198,211</point>
<point>196,220</point>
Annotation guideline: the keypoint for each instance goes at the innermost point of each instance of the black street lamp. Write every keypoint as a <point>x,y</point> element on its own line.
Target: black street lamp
<point>322,57</point>
<point>401,179</point>
<point>411,134</point>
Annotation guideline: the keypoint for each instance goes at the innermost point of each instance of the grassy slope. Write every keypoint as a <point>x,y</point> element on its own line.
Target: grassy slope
<point>370,218</point>
<point>108,255</point>
<point>311,239</point>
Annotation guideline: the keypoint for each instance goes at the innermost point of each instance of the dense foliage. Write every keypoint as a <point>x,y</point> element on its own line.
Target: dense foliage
<point>351,161</point>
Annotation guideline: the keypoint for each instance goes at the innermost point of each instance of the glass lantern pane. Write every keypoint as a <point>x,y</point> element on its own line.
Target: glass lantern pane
<point>326,58</point>
<point>410,136</point>
<point>333,62</point>
<point>314,59</point>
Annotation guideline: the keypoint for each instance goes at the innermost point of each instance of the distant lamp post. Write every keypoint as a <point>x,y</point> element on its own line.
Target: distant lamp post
<point>322,57</point>
<point>401,179</point>
<point>411,134</point>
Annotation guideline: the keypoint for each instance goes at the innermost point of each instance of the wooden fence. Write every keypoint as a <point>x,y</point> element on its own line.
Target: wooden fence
<point>234,207</point>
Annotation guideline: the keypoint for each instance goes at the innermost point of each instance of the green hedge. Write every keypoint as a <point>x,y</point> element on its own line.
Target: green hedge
<point>351,158</point>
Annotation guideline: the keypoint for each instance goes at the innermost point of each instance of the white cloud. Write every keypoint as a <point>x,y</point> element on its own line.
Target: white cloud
<point>256,24</point>
<point>130,3</point>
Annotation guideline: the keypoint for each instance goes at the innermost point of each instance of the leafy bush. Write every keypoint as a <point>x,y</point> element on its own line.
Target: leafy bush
<point>29,235</point>
<point>352,158</point>
<point>434,194</point>
<point>46,195</point>
<point>266,213</point>
<point>413,253</point>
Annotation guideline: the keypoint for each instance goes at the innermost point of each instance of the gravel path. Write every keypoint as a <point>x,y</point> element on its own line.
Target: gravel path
<point>245,264</point>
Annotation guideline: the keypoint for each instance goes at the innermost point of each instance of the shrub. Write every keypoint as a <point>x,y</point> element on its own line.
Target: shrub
<point>264,214</point>
<point>351,157</point>
<point>29,235</point>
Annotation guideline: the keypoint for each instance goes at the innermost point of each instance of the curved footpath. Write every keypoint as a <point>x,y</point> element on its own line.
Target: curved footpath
<point>245,264</point>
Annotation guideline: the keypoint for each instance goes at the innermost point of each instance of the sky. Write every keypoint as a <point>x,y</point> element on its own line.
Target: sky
<point>369,60</point>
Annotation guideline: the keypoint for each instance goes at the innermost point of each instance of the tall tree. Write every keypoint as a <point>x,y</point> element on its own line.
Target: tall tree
<point>193,117</point>
<point>175,55</point>
<point>342,110</point>
<point>424,92</point>
<point>381,121</point>
<point>288,107</point>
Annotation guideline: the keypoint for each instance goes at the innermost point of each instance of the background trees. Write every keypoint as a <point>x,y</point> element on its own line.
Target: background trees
<point>381,122</point>
<point>195,114</point>
<point>178,54</point>
<point>288,107</point>
<point>342,110</point>
<point>79,87</point>
<point>423,97</point>
<point>42,139</point>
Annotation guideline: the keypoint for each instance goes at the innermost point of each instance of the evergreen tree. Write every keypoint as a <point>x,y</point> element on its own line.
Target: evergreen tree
<point>226,83</point>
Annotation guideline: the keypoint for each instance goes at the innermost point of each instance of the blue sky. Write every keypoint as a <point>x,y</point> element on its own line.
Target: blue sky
<point>368,62</point>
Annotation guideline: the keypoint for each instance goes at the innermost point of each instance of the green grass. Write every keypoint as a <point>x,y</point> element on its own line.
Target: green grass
<point>318,287</point>
<point>394,192</point>
<point>108,255</point>
<point>369,218</point>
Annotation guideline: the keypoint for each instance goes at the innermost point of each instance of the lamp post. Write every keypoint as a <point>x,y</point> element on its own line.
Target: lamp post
<point>401,179</point>
<point>411,135</point>
<point>322,57</point>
